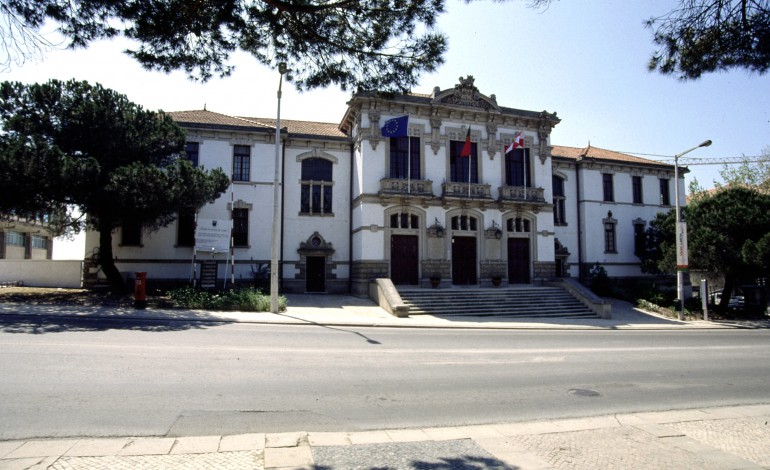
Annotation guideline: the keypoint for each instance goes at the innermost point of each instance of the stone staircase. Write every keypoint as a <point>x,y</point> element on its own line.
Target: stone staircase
<point>518,302</point>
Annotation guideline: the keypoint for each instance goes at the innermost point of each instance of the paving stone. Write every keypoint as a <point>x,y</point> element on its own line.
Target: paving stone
<point>53,448</point>
<point>6,447</point>
<point>328,439</point>
<point>210,461</point>
<point>610,449</point>
<point>369,437</point>
<point>20,464</point>
<point>241,442</point>
<point>748,438</point>
<point>195,445</point>
<point>285,439</point>
<point>407,435</point>
<point>445,434</point>
<point>450,455</point>
<point>480,432</point>
<point>148,446</point>
<point>288,456</point>
<point>97,447</point>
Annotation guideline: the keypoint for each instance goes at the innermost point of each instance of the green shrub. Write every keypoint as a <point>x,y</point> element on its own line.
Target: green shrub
<point>601,284</point>
<point>250,299</point>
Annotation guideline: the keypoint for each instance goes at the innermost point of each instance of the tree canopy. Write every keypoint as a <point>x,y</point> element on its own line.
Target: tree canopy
<point>354,44</point>
<point>72,144</point>
<point>700,36</point>
<point>728,234</point>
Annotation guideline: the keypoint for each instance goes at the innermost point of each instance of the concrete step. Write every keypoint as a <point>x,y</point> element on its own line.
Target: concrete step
<point>542,302</point>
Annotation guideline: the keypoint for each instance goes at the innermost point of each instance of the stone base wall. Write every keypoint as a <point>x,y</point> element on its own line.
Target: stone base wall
<point>545,269</point>
<point>363,272</point>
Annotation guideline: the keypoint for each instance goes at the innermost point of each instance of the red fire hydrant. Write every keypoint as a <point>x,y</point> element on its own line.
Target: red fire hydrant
<point>140,290</point>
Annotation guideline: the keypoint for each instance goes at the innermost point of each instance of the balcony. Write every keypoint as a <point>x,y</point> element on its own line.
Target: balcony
<point>478,191</point>
<point>395,186</point>
<point>522,194</point>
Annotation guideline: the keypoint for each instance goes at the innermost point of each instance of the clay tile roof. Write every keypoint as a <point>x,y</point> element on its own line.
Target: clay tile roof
<point>322,129</point>
<point>204,118</point>
<point>574,153</point>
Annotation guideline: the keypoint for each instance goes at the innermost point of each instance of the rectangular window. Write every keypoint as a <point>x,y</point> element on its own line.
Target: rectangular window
<point>240,227</point>
<point>241,162</point>
<point>517,168</point>
<point>559,204</point>
<point>316,186</point>
<point>608,187</point>
<point>458,165</point>
<point>14,238</point>
<point>40,243</point>
<point>665,200</point>
<point>191,152</point>
<point>636,188</point>
<point>610,245</point>
<point>401,165</point>
<point>639,237</point>
<point>185,229</point>
<point>131,233</point>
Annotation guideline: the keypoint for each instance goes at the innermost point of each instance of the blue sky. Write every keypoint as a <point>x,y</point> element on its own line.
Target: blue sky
<point>585,60</point>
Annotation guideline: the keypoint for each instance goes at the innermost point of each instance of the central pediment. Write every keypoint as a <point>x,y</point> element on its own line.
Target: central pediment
<point>465,94</point>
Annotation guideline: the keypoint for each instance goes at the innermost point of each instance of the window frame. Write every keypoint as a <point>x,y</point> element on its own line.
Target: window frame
<point>637,190</point>
<point>559,201</point>
<point>317,187</point>
<point>192,152</point>
<point>458,166</point>
<point>399,164</point>
<point>514,176</point>
<point>665,192</point>
<point>608,187</point>
<point>241,163</point>
<point>240,228</point>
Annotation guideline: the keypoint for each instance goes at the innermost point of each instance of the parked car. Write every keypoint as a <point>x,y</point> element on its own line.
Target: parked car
<point>737,302</point>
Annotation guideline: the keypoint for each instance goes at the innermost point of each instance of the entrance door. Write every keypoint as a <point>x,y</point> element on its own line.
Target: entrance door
<point>404,259</point>
<point>518,260</point>
<point>315,277</point>
<point>464,260</point>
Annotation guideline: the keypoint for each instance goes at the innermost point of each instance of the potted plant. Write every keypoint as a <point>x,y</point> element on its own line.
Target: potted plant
<point>435,280</point>
<point>496,280</point>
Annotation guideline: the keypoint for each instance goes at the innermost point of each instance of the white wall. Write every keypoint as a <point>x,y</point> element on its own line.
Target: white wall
<point>42,273</point>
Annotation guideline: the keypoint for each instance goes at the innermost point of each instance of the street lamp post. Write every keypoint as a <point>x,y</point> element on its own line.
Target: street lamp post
<point>274,258</point>
<point>682,263</point>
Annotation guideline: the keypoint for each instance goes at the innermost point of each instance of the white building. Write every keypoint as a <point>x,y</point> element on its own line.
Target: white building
<point>358,204</point>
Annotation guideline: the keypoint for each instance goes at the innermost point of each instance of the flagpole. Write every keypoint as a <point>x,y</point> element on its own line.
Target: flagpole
<point>408,161</point>
<point>524,164</point>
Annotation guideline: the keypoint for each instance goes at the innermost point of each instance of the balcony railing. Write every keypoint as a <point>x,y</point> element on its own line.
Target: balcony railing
<point>401,186</point>
<point>478,191</point>
<point>520,193</point>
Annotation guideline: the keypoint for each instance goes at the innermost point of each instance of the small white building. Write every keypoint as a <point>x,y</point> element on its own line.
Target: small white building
<point>436,200</point>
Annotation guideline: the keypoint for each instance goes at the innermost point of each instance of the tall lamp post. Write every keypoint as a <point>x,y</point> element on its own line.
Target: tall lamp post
<point>276,245</point>
<point>682,262</point>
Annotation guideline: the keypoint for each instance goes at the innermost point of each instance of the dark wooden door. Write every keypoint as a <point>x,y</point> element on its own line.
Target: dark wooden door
<point>464,261</point>
<point>404,259</point>
<point>315,277</point>
<point>518,260</point>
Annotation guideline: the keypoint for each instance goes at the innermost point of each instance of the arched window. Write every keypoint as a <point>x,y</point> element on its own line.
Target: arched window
<point>316,183</point>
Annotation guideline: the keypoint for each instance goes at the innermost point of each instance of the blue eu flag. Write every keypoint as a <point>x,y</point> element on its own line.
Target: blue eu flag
<point>396,127</point>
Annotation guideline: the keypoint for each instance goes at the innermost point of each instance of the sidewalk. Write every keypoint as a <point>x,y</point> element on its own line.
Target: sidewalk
<point>342,310</point>
<point>715,438</point>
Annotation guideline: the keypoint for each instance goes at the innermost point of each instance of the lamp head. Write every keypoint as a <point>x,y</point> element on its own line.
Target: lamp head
<point>282,68</point>
<point>705,144</point>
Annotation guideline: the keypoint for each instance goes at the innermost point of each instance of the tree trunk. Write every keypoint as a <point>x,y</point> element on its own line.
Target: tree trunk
<point>107,262</point>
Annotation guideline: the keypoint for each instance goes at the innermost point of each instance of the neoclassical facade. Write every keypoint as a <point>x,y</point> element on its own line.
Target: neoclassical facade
<point>465,193</point>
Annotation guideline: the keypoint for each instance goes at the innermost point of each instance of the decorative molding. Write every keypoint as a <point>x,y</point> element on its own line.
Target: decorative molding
<point>375,132</point>
<point>466,94</point>
<point>239,204</point>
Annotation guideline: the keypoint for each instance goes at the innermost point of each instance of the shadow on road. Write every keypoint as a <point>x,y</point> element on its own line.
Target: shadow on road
<point>59,319</point>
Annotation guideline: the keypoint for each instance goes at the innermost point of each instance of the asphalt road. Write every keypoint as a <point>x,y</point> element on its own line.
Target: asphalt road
<point>91,377</point>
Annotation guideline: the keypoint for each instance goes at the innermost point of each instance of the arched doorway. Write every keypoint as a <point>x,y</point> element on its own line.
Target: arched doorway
<point>404,248</point>
<point>464,250</point>
<point>519,230</point>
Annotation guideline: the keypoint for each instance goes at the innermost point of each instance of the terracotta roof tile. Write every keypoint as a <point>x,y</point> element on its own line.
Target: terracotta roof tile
<point>324,129</point>
<point>574,153</point>
<point>203,117</point>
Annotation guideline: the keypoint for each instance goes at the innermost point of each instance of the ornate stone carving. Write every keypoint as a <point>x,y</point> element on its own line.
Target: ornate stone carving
<point>375,133</point>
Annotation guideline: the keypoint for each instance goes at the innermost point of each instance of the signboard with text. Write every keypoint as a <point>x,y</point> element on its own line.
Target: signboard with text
<point>213,235</point>
<point>682,261</point>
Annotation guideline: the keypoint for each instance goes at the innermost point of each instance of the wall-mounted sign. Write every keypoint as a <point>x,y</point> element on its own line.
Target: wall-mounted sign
<point>213,235</point>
